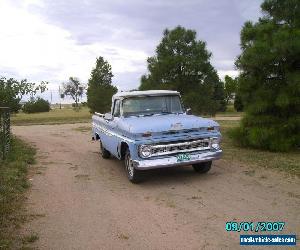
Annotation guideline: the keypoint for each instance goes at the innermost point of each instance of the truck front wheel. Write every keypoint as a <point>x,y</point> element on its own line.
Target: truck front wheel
<point>133,174</point>
<point>202,167</point>
<point>104,153</point>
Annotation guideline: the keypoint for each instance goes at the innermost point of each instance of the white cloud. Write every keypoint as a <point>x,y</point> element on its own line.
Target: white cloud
<point>53,39</point>
<point>231,73</point>
<point>28,3</point>
<point>40,51</point>
<point>249,9</point>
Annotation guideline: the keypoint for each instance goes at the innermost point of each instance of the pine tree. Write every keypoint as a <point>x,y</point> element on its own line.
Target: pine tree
<point>100,89</point>
<point>182,63</point>
<point>270,77</point>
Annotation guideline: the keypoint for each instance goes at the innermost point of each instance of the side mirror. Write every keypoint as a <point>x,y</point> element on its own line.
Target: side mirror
<point>188,111</point>
<point>108,116</point>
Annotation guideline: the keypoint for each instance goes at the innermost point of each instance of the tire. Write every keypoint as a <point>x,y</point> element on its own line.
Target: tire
<point>202,167</point>
<point>134,175</point>
<point>103,152</point>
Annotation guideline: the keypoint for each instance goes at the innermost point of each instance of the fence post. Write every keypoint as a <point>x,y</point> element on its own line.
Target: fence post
<point>4,131</point>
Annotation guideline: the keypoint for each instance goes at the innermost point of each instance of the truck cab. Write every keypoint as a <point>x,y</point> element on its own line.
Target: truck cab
<point>151,129</point>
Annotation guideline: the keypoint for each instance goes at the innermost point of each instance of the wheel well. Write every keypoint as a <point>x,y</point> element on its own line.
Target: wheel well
<point>124,146</point>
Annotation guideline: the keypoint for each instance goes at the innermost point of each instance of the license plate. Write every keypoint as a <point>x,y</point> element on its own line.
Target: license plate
<point>183,157</point>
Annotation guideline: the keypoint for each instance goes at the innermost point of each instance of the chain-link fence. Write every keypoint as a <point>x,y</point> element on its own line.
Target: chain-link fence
<point>4,132</point>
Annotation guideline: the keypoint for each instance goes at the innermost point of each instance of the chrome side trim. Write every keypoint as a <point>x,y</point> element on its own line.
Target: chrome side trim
<point>110,133</point>
<point>99,114</point>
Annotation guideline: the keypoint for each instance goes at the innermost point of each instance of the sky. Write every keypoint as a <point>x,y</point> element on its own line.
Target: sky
<point>51,40</point>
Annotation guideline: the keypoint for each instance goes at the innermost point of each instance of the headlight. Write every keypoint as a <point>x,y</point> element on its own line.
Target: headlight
<point>145,151</point>
<point>215,143</point>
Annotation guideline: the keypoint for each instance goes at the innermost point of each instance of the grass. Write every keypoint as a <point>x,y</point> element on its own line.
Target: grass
<point>13,179</point>
<point>31,238</point>
<point>229,114</point>
<point>55,116</point>
<point>288,162</point>
<point>230,111</point>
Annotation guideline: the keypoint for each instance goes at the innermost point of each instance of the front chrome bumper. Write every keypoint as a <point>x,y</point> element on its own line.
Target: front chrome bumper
<point>171,161</point>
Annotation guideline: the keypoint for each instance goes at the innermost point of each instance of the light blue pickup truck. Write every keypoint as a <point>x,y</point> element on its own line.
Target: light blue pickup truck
<point>151,129</point>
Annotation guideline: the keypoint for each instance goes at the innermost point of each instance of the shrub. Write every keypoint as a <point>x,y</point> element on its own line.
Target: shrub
<point>279,135</point>
<point>36,105</point>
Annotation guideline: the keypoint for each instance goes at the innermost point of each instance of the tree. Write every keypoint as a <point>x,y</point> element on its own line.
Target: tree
<point>9,94</point>
<point>12,91</point>
<point>230,87</point>
<point>182,63</point>
<point>219,97</point>
<point>270,77</point>
<point>100,89</point>
<point>73,88</point>
<point>238,104</point>
<point>32,89</point>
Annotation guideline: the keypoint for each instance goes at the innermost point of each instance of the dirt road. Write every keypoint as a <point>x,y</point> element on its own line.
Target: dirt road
<point>84,202</point>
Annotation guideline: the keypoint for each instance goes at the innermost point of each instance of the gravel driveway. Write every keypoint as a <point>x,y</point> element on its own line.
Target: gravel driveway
<point>84,202</point>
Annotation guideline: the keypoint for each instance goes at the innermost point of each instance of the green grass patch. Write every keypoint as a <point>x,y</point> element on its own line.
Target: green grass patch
<point>230,111</point>
<point>31,238</point>
<point>226,125</point>
<point>13,184</point>
<point>55,116</point>
<point>229,114</point>
<point>287,161</point>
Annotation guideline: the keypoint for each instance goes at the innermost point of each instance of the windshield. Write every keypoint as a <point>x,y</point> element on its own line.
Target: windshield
<point>150,105</point>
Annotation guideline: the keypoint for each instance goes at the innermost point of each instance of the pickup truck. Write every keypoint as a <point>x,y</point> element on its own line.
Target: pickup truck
<point>151,129</point>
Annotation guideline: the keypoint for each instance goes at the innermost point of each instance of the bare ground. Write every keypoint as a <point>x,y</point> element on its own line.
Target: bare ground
<point>85,202</point>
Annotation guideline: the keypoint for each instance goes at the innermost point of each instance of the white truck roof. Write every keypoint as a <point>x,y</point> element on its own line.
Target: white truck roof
<point>147,92</point>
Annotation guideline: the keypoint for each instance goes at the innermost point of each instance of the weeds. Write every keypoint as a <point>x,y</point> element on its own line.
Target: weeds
<point>13,184</point>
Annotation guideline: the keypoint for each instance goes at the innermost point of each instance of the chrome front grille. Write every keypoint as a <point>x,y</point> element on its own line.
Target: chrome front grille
<point>184,146</point>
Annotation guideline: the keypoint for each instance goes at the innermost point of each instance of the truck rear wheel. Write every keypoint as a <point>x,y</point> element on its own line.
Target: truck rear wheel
<point>202,167</point>
<point>133,174</point>
<point>104,153</point>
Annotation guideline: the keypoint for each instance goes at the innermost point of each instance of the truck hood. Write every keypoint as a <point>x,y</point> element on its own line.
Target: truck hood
<point>163,123</point>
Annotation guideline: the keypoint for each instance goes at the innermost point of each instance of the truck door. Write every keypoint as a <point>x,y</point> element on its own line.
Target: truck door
<point>111,140</point>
